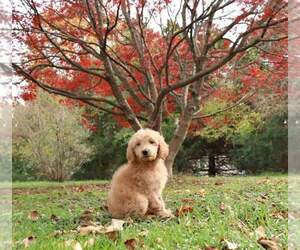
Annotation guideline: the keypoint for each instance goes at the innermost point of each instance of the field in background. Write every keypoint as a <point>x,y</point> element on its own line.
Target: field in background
<point>231,212</point>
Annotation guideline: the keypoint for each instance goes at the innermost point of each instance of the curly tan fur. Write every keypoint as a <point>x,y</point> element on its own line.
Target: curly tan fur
<point>137,186</point>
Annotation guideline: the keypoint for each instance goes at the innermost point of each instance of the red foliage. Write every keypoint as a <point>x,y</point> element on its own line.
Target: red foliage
<point>266,72</point>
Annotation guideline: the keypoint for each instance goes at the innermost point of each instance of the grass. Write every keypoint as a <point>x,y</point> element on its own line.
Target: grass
<point>230,208</point>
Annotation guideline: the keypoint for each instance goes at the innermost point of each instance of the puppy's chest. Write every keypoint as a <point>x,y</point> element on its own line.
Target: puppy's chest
<point>151,181</point>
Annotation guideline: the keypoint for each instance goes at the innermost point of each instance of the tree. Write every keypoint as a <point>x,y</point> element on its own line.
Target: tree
<point>110,142</point>
<point>119,56</point>
<point>263,149</point>
<point>50,137</point>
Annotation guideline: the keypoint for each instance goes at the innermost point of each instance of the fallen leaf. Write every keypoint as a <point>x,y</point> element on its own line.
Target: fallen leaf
<point>131,244</point>
<point>114,235</point>
<point>219,183</point>
<point>263,181</point>
<point>143,233</point>
<point>280,214</point>
<point>183,210</point>
<point>243,227</point>
<point>263,198</point>
<point>202,192</point>
<point>89,243</point>
<point>116,225</point>
<point>78,189</point>
<point>270,244</point>
<point>74,244</point>
<point>58,233</point>
<point>229,245</point>
<point>54,218</point>
<point>210,248</point>
<point>28,241</point>
<point>86,218</point>
<point>77,246</point>
<point>113,230</point>
<point>222,207</point>
<point>260,232</point>
<point>188,200</point>
<point>34,215</point>
<point>68,243</point>
<point>85,230</point>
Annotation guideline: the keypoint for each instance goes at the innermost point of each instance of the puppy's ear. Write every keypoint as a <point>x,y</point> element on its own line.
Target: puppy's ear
<point>163,148</point>
<point>130,154</point>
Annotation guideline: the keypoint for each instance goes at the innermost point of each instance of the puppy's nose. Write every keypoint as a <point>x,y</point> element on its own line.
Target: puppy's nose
<point>145,152</point>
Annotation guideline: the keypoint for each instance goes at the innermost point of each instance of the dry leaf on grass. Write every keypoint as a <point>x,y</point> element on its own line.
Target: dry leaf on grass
<point>264,181</point>
<point>28,241</point>
<point>116,225</point>
<point>260,232</point>
<point>210,248</point>
<point>202,192</point>
<point>219,183</point>
<point>222,207</point>
<point>280,214</point>
<point>114,235</point>
<point>263,198</point>
<point>112,231</point>
<point>131,244</point>
<point>85,230</point>
<point>77,246</point>
<point>74,244</point>
<point>57,233</point>
<point>33,215</point>
<point>266,243</point>
<point>183,210</point>
<point>54,218</point>
<point>78,189</point>
<point>143,233</point>
<point>89,243</point>
<point>188,200</point>
<point>270,244</point>
<point>86,218</point>
<point>227,245</point>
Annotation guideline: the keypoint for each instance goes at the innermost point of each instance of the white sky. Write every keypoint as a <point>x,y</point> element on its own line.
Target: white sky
<point>5,54</point>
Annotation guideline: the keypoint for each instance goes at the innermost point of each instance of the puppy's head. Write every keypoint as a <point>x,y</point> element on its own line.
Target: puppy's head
<point>147,145</point>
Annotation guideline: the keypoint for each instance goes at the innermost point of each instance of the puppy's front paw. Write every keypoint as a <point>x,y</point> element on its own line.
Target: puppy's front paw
<point>166,213</point>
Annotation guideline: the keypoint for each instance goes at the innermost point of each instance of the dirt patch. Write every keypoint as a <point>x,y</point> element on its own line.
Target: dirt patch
<point>67,188</point>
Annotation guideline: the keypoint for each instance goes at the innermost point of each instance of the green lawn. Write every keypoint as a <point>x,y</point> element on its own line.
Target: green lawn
<point>230,209</point>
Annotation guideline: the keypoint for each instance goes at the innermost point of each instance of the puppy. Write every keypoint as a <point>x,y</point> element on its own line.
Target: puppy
<point>136,188</point>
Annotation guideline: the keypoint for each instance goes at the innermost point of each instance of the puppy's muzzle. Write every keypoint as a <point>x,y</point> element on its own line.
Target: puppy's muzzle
<point>145,153</point>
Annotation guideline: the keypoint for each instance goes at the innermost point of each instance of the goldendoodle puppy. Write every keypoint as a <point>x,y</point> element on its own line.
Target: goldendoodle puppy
<point>136,188</point>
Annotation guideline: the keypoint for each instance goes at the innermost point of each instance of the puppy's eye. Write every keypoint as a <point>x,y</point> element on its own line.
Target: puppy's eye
<point>138,144</point>
<point>151,141</point>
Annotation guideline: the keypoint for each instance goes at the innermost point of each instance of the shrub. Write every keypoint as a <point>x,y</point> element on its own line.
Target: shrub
<point>50,137</point>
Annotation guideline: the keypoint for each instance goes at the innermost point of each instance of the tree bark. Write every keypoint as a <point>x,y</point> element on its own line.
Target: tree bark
<point>212,171</point>
<point>178,138</point>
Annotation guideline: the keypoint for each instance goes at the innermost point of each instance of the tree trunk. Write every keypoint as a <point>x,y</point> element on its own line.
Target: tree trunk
<point>177,140</point>
<point>212,171</point>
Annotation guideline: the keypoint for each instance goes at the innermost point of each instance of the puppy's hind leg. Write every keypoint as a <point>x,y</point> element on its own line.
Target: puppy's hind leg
<point>136,205</point>
<point>157,207</point>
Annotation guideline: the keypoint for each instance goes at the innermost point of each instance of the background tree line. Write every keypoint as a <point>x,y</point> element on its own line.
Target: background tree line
<point>58,142</point>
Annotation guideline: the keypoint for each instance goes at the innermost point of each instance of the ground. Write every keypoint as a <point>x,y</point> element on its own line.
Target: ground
<point>211,212</point>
